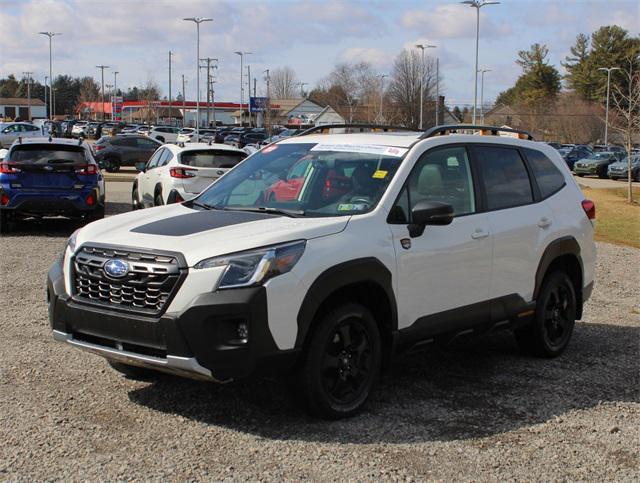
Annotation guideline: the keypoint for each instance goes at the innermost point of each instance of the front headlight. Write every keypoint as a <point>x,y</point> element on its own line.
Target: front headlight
<point>71,242</point>
<point>255,267</point>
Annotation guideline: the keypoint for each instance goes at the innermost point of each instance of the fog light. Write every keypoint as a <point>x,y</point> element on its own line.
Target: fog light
<point>243,331</point>
<point>4,200</point>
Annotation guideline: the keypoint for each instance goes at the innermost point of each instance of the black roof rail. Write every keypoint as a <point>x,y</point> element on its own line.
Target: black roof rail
<point>355,128</point>
<point>450,128</point>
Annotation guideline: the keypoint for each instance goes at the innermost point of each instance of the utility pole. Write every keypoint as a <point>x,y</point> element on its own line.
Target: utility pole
<point>242,54</point>
<point>198,21</point>
<point>28,74</point>
<point>170,113</point>
<point>209,65</point>
<point>115,93</point>
<point>184,96</point>
<point>381,76</point>
<point>249,91</point>
<point>422,47</point>
<point>606,119</point>
<point>102,68</point>
<point>302,84</point>
<point>268,107</point>
<point>437,91</point>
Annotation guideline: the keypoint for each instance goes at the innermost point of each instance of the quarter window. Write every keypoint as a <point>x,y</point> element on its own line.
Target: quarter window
<point>549,178</point>
<point>505,176</point>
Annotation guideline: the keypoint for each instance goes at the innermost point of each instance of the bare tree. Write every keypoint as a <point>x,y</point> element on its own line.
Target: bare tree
<point>149,94</point>
<point>404,88</point>
<point>353,83</point>
<point>626,114</point>
<point>283,83</point>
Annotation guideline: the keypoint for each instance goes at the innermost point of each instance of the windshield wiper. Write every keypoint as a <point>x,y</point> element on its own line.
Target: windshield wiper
<point>266,209</point>
<point>202,205</point>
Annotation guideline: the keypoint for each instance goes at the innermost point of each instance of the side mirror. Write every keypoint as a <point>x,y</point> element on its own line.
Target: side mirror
<point>429,213</point>
<point>141,167</point>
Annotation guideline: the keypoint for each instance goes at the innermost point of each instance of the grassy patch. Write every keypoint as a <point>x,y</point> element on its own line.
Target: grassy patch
<point>617,220</point>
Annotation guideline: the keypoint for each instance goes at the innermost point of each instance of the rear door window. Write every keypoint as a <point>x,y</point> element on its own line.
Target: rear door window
<point>48,154</point>
<point>548,177</point>
<point>211,158</point>
<point>505,177</point>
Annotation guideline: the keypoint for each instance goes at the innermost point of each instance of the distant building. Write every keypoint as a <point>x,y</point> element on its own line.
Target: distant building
<point>17,107</point>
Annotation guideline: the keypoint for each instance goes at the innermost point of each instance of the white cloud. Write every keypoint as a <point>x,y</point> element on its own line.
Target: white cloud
<point>378,58</point>
<point>452,21</point>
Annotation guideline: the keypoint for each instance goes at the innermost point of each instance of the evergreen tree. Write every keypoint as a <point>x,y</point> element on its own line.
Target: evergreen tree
<point>581,76</point>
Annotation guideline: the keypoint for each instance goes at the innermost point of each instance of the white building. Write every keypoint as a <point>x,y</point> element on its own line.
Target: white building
<point>17,107</point>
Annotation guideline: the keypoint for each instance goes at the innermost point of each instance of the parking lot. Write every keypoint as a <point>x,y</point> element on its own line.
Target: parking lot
<point>474,410</point>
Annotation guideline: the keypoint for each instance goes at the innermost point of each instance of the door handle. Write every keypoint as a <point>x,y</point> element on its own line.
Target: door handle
<point>479,234</point>
<point>544,222</point>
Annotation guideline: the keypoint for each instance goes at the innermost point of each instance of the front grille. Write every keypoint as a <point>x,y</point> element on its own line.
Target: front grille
<point>147,287</point>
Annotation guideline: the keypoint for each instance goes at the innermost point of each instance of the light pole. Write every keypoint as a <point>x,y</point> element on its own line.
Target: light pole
<point>50,35</point>
<point>301,84</point>
<point>268,106</point>
<point>184,105</point>
<point>102,68</point>
<point>482,71</point>
<point>422,47</point>
<point>28,74</point>
<point>381,77</point>
<point>242,54</point>
<point>198,21</point>
<point>477,4</point>
<point>45,94</point>
<point>606,119</point>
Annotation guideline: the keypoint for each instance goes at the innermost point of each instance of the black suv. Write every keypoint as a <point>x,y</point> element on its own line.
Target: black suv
<point>573,154</point>
<point>111,152</point>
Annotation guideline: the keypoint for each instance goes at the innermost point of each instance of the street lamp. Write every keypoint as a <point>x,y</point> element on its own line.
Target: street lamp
<point>102,68</point>
<point>242,54</point>
<point>606,120</point>
<point>477,4</point>
<point>46,85</point>
<point>422,47</point>
<point>482,71</point>
<point>50,35</point>
<point>198,21</point>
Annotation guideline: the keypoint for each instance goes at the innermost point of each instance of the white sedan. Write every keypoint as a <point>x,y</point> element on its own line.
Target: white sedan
<point>176,173</point>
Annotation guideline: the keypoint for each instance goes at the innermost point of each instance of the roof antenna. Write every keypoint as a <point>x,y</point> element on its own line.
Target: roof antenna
<point>50,138</point>
<point>19,139</point>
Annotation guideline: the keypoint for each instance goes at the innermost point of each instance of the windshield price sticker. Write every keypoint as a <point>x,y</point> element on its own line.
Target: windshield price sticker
<point>361,148</point>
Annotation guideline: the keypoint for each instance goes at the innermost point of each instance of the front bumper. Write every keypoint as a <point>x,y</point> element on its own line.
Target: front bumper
<point>587,170</point>
<point>201,342</point>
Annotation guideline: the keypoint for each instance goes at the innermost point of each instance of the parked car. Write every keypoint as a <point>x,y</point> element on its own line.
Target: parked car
<point>112,152</point>
<point>67,128</point>
<point>49,177</point>
<point>178,173</point>
<point>232,139</point>
<point>108,128</point>
<point>185,135</point>
<point>610,148</point>
<point>164,134</point>
<point>436,237</point>
<point>251,137</point>
<point>79,129</point>
<point>11,131</point>
<point>130,129</point>
<point>620,169</point>
<point>144,129</point>
<point>574,153</point>
<point>596,164</point>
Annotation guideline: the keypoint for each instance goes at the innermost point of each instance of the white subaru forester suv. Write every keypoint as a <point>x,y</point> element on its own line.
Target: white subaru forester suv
<point>323,255</point>
<point>179,172</point>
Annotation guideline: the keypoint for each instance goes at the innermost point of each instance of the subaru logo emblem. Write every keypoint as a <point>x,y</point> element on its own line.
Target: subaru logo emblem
<point>116,268</point>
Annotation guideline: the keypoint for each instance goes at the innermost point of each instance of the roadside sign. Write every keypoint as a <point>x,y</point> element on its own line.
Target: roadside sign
<point>258,104</point>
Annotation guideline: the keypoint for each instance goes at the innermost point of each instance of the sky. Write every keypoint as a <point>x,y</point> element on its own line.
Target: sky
<point>311,36</point>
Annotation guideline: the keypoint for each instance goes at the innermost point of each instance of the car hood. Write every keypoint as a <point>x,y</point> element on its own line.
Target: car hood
<point>200,234</point>
<point>594,161</point>
<point>623,164</point>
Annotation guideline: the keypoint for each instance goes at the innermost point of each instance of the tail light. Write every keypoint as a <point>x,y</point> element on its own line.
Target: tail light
<point>182,173</point>
<point>90,200</point>
<point>98,147</point>
<point>9,168</point>
<point>87,169</point>
<point>589,208</point>
<point>4,199</point>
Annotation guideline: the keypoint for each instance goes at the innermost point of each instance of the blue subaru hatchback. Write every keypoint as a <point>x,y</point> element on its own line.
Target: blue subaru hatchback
<point>42,177</point>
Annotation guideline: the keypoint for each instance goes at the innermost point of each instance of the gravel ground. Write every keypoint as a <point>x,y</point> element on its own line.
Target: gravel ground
<point>478,410</point>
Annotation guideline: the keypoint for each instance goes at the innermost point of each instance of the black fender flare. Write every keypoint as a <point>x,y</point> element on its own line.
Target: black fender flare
<point>566,245</point>
<point>368,269</point>
<point>172,196</point>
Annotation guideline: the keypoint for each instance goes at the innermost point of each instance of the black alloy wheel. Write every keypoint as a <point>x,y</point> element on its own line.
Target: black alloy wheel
<point>550,331</point>
<point>342,363</point>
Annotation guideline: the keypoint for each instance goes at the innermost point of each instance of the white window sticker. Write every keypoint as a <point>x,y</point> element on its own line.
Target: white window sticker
<point>362,148</point>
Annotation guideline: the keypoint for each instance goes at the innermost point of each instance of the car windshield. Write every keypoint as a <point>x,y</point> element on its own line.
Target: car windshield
<point>307,179</point>
<point>48,154</point>
<point>211,158</point>
<point>601,155</point>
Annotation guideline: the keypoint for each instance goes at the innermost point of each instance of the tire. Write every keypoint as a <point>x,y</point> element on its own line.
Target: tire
<point>580,175</point>
<point>6,223</point>
<point>135,372</point>
<point>550,331</point>
<point>602,174</point>
<point>341,363</point>
<point>157,199</point>
<point>636,178</point>
<point>160,138</point>
<point>135,203</point>
<point>98,213</point>
<point>112,165</point>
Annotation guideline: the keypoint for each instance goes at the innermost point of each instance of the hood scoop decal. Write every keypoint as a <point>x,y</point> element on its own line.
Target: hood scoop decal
<point>188,224</point>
